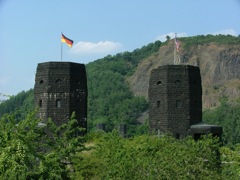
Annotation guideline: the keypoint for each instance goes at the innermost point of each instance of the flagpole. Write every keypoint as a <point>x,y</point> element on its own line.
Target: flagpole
<point>174,61</point>
<point>61,51</point>
<point>177,55</point>
<point>61,46</point>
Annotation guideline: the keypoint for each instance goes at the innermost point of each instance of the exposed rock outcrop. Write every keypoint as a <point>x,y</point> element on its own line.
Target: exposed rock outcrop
<point>219,66</point>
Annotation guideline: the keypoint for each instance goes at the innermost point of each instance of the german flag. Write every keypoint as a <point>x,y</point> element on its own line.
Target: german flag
<point>69,42</point>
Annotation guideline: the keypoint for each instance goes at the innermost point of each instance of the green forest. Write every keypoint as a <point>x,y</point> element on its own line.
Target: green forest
<point>28,151</point>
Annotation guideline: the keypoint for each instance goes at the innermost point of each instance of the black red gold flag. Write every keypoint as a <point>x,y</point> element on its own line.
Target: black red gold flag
<point>68,41</point>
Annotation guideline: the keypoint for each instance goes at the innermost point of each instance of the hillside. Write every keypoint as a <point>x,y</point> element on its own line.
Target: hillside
<point>118,85</point>
<point>219,64</point>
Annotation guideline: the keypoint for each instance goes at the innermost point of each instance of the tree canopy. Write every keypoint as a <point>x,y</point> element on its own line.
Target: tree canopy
<point>31,150</point>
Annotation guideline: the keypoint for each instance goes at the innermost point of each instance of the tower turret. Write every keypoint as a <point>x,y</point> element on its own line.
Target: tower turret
<point>175,99</point>
<point>61,89</point>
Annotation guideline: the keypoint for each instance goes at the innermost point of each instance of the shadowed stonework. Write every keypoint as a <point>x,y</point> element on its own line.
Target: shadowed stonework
<point>175,99</point>
<point>61,89</point>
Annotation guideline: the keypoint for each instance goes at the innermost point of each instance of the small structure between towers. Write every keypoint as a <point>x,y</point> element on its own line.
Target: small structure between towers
<point>61,89</point>
<point>175,102</point>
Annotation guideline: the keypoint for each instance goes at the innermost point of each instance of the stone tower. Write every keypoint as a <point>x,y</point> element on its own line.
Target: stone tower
<point>175,99</point>
<point>61,89</point>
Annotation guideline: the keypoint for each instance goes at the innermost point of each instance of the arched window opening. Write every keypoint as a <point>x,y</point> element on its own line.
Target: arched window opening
<point>178,82</point>
<point>177,135</point>
<point>159,83</point>
<point>58,81</point>
<point>41,82</point>
<point>158,104</point>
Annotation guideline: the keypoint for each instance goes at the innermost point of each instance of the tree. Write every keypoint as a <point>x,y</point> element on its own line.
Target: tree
<point>168,38</point>
<point>226,115</point>
<point>31,150</point>
<point>150,157</point>
<point>19,146</point>
<point>230,162</point>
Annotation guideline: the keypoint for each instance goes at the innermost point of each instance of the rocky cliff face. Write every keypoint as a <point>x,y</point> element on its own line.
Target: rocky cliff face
<point>219,66</point>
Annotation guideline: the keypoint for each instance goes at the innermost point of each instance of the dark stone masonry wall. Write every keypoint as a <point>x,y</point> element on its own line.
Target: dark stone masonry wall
<point>175,99</point>
<point>61,89</point>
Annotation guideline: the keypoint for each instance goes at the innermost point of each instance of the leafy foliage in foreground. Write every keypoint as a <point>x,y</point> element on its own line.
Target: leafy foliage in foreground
<point>151,157</point>
<point>30,151</point>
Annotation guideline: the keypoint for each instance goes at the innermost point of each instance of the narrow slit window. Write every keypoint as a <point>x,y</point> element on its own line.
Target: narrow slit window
<point>194,102</point>
<point>177,135</point>
<point>178,83</point>
<point>158,104</point>
<point>78,82</point>
<point>40,103</point>
<point>178,104</point>
<point>58,103</point>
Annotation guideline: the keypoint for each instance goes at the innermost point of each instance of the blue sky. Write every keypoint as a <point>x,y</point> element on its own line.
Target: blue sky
<point>30,31</point>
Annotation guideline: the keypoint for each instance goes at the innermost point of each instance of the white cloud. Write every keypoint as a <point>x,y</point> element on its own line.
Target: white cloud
<point>102,47</point>
<point>226,32</point>
<point>4,80</point>
<point>163,38</point>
